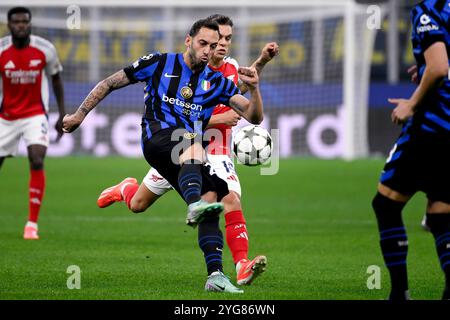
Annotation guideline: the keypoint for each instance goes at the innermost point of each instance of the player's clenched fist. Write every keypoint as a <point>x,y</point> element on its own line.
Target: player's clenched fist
<point>72,122</point>
<point>269,51</point>
<point>249,76</point>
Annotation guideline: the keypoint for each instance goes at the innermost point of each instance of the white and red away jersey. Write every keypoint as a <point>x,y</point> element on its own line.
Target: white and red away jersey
<point>24,74</point>
<point>230,70</point>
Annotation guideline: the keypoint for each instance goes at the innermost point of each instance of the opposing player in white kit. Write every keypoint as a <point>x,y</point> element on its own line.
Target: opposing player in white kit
<point>25,62</point>
<point>219,157</point>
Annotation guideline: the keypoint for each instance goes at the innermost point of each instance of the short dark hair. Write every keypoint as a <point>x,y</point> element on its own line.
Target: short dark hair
<point>221,20</point>
<point>203,23</point>
<point>18,10</point>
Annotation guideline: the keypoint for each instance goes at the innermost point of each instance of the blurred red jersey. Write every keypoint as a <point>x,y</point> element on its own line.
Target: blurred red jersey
<point>222,146</point>
<point>24,77</point>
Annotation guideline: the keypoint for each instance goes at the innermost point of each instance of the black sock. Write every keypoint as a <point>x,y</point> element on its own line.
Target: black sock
<point>440,227</point>
<point>210,240</point>
<point>393,242</point>
<point>190,181</point>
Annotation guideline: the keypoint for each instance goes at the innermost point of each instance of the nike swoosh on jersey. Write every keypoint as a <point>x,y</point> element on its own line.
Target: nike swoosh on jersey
<point>170,75</point>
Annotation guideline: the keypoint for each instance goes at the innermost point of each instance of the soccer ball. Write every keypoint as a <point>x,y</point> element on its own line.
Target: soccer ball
<point>252,145</point>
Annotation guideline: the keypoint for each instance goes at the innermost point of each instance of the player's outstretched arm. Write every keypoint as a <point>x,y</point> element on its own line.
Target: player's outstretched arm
<point>102,89</point>
<point>252,109</point>
<point>436,69</point>
<point>268,52</point>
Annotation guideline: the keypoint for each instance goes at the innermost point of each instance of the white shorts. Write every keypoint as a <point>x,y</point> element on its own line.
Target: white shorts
<point>222,165</point>
<point>156,183</point>
<point>34,130</point>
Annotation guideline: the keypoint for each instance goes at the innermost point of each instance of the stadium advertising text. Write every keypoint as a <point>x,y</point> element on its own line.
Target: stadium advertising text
<point>105,134</point>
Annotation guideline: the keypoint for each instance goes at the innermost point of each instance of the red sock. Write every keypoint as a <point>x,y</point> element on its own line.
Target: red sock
<point>36,193</point>
<point>236,235</point>
<point>128,193</point>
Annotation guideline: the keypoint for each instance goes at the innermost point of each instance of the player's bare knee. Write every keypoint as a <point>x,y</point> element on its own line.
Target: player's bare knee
<point>137,209</point>
<point>232,202</point>
<point>392,194</point>
<point>194,154</point>
<point>138,206</point>
<point>385,207</point>
<point>36,163</point>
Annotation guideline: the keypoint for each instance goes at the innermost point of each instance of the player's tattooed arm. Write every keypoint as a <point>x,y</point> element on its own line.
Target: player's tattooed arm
<point>268,52</point>
<point>102,89</point>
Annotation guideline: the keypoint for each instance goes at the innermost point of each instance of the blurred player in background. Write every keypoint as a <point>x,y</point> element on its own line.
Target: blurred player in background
<point>180,95</point>
<point>420,158</point>
<point>219,156</point>
<point>412,71</point>
<point>25,62</point>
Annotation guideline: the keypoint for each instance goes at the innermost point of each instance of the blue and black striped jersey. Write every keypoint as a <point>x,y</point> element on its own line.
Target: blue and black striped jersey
<point>431,24</point>
<point>175,96</point>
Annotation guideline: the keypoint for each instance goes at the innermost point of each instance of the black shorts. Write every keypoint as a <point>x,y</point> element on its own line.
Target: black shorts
<point>158,153</point>
<point>419,162</point>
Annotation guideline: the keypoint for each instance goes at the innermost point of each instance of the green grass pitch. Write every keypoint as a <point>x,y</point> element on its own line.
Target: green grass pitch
<point>313,220</point>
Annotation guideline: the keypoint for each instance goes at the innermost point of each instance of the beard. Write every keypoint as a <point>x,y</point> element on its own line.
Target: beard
<point>196,64</point>
<point>21,36</point>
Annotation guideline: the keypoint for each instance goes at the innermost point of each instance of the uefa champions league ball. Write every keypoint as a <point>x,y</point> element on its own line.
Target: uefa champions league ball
<point>252,145</point>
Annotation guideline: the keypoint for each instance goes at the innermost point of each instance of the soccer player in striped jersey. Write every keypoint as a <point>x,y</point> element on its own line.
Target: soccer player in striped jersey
<point>419,159</point>
<point>180,94</point>
<point>219,156</point>
<point>25,62</point>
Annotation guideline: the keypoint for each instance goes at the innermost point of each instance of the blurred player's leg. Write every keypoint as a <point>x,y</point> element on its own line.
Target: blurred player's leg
<point>439,222</point>
<point>210,240</point>
<point>153,187</point>
<point>117,193</point>
<point>158,153</point>
<point>36,136</point>
<point>235,225</point>
<point>218,282</point>
<point>137,198</point>
<point>1,161</point>
<point>248,270</point>
<point>36,155</point>
<point>393,242</point>
<point>190,182</point>
<point>236,235</point>
<point>128,190</point>
<point>140,200</point>
<point>237,239</point>
<point>190,174</point>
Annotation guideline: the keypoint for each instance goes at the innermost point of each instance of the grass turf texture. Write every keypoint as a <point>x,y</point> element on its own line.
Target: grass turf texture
<point>313,220</point>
